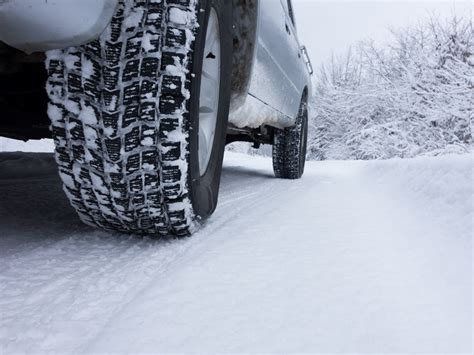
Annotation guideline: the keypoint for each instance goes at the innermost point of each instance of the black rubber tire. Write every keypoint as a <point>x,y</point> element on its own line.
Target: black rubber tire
<point>290,145</point>
<point>124,112</point>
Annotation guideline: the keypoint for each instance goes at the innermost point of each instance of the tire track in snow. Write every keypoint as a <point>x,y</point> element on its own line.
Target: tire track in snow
<point>93,275</point>
<point>232,204</point>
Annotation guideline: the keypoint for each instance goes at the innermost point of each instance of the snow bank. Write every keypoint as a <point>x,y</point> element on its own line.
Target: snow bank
<point>13,145</point>
<point>443,182</point>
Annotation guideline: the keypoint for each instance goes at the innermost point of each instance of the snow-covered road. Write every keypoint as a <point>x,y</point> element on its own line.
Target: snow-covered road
<point>355,257</point>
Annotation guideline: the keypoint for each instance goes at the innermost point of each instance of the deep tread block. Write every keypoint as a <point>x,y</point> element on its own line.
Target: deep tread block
<point>134,46</point>
<point>111,77</point>
<point>131,115</point>
<point>132,70</point>
<point>132,139</point>
<point>131,93</point>
<point>175,38</point>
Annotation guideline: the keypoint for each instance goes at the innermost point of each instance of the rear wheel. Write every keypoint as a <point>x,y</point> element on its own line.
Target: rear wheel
<point>289,146</point>
<point>139,116</point>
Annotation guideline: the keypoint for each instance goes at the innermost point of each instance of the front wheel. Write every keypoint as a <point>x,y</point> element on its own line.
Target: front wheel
<point>139,116</point>
<point>289,146</point>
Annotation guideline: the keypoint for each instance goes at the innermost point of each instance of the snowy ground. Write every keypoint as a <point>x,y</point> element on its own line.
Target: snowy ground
<point>355,257</point>
<point>43,145</point>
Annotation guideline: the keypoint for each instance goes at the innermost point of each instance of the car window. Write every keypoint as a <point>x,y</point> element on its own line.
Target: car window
<point>291,13</point>
<point>284,3</point>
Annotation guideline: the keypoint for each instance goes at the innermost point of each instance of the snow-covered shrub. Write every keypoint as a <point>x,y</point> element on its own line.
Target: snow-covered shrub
<point>412,97</point>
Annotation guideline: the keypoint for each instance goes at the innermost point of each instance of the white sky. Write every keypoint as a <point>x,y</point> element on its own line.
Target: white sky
<point>326,26</point>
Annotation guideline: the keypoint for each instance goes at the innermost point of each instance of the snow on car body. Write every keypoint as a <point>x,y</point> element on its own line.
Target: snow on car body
<point>144,94</point>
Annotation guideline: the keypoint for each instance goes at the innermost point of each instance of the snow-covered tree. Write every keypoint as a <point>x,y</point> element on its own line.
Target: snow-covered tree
<point>413,96</point>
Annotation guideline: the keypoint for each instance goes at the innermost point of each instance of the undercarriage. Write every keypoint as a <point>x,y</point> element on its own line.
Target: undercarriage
<point>23,99</point>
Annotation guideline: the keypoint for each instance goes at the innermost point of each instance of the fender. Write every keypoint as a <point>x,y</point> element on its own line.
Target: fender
<point>40,25</point>
<point>248,108</point>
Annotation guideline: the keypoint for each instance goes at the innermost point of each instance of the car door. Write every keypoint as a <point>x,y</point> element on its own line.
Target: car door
<point>295,66</point>
<point>275,57</point>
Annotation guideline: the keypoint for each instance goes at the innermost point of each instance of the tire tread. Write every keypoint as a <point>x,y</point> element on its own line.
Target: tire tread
<point>119,112</point>
<point>289,147</point>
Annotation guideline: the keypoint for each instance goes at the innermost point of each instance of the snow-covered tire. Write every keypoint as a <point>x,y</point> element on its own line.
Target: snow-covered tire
<point>125,117</point>
<point>289,146</point>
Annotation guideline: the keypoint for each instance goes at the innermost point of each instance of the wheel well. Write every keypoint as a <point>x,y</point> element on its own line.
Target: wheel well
<point>245,19</point>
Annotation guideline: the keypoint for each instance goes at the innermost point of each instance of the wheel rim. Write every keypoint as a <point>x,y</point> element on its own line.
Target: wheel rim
<point>210,90</point>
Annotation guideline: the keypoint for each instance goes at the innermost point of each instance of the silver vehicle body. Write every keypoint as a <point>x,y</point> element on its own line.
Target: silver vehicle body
<point>280,73</point>
<point>39,25</point>
<point>276,73</point>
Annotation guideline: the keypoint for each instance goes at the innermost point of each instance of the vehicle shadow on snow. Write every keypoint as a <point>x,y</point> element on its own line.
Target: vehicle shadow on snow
<point>236,170</point>
<point>34,208</point>
<point>240,173</point>
<point>34,211</point>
